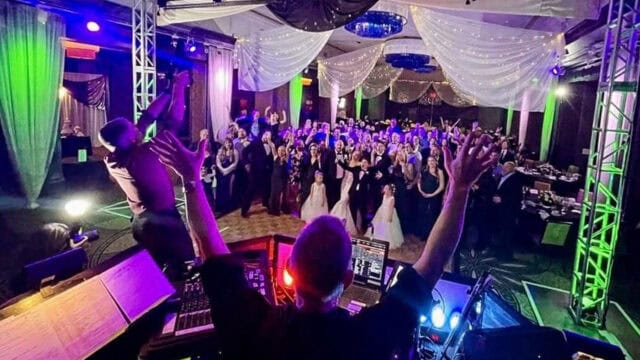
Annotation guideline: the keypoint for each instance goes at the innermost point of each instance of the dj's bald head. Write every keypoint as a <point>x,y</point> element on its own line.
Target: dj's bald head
<point>321,258</point>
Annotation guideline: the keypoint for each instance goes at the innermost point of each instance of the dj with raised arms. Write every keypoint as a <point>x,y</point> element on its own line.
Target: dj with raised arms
<point>320,264</point>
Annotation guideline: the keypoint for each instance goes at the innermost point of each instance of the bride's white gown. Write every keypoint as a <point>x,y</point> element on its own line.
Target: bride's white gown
<point>385,230</point>
<point>341,208</point>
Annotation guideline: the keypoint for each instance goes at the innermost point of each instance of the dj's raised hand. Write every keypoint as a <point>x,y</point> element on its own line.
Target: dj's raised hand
<point>171,152</point>
<point>470,163</point>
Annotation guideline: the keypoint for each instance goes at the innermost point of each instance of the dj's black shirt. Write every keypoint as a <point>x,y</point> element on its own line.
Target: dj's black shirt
<point>250,328</point>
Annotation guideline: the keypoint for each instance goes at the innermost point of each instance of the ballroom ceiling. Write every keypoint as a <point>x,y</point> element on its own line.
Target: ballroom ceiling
<point>582,54</point>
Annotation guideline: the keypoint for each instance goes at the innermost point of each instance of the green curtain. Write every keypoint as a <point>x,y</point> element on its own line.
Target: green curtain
<point>31,69</point>
<point>295,100</point>
<point>509,121</point>
<point>358,102</point>
<point>547,124</point>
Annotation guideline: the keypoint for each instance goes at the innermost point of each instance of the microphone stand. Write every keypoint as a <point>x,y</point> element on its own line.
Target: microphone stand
<point>476,294</point>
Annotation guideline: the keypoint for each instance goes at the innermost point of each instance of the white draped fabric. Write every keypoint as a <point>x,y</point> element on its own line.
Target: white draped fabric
<point>219,85</point>
<point>379,80</point>
<point>448,95</point>
<point>581,9</point>
<point>166,17</point>
<point>406,91</point>
<point>490,64</point>
<point>347,71</point>
<point>270,58</point>
<point>74,113</point>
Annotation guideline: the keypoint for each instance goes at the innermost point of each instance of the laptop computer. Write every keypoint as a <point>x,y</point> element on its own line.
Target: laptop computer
<point>369,261</point>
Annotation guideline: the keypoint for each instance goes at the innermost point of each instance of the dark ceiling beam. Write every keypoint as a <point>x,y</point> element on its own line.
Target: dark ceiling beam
<point>586,27</point>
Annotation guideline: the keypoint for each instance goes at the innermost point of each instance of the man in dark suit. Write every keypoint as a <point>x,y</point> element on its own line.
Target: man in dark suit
<point>258,164</point>
<point>380,163</point>
<point>363,178</point>
<point>507,202</point>
<point>505,153</point>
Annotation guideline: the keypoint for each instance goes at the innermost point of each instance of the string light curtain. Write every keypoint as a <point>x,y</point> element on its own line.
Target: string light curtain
<point>491,65</point>
<point>166,17</point>
<point>219,88</point>
<point>581,9</point>
<point>379,80</point>
<point>268,59</point>
<point>407,91</point>
<point>343,73</point>
<point>448,95</point>
<point>31,66</point>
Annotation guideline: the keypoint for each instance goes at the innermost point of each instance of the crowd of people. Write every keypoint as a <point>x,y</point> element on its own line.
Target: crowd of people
<point>383,180</point>
<point>352,171</point>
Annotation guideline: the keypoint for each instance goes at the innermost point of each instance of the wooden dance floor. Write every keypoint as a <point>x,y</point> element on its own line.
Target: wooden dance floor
<point>236,228</point>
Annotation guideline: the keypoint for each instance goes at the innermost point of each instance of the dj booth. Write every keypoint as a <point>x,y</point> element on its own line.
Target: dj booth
<point>126,308</point>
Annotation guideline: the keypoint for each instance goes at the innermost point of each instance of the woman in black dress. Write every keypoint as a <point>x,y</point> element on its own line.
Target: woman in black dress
<point>279,180</point>
<point>404,178</point>
<point>431,188</point>
<point>226,163</point>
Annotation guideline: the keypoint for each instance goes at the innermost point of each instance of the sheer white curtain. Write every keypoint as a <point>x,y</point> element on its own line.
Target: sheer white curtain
<point>379,80</point>
<point>74,113</point>
<point>270,58</point>
<point>406,91</point>
<point>347,71</point>
<point>219,86</point>
<point>448,95</point>
<point>166,17</point>
<point>581,9</point>
<point>490,64</point>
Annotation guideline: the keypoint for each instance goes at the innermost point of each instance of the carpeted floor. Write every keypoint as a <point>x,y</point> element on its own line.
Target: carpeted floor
<point>110,216</point>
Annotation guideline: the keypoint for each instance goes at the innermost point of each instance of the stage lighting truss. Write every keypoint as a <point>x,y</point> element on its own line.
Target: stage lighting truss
<point>167,5</point>
<point>607,165</point>
<point>143,53</point>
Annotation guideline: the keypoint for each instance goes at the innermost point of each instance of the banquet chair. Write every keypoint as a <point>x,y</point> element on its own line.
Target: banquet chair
<point>541,186</point>
<point>529,164</point>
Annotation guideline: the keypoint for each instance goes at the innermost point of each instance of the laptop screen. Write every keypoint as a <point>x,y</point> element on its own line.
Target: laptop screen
<point>369,259</point>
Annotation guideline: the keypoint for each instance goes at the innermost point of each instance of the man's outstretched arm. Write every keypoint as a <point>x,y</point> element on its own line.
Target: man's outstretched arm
<point>187,165</point>
<point>463,172</point>
<point>151,114</point>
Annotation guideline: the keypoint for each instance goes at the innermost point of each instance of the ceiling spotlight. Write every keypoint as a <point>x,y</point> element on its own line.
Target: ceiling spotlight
<point>93,26</point>
<point>557,70</point>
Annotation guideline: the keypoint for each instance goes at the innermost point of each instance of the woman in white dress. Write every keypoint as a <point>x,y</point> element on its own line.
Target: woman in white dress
<point>341,208</point>
<point>386,224</point>
<point>316,203</point>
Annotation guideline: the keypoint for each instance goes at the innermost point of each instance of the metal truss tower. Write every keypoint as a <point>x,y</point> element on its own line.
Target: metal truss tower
<point>143,53</point>
<point>607,165</point>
